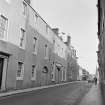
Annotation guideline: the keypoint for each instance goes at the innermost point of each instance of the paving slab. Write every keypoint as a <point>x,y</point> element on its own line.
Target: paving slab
<point>93,97</point>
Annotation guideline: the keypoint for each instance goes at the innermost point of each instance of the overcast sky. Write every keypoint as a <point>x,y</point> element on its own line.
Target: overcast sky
<point>77,17</point>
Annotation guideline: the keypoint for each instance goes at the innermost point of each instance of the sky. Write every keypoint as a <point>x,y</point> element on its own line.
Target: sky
<point>79,19</point>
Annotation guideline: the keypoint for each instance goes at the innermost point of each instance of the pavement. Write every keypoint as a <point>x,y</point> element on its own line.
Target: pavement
<point>93,97</point>
<point>13,92</point>
<point>9,93</point>
<point>67,94</point>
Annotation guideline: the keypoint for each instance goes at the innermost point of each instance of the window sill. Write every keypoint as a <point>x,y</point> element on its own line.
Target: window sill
<point>22,48</point>
<point>33,79</point>
<point>53,80</point>
<point>19,78</point>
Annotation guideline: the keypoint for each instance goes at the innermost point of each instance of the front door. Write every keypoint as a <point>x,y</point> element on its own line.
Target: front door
<point>1,70</point>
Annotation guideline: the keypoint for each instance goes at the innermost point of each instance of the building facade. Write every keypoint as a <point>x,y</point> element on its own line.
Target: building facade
<point>101,37</point>
<point>72,64</point>
<point>31,53</point>
<point>101,46</point>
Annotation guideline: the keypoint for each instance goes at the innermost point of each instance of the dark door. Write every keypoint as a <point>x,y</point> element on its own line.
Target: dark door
<point>1,70</point>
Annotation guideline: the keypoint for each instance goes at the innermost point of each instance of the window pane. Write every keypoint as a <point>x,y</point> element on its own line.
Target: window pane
<point>20,64</point>
<point>22,38</point>
<point>3,24</point>
<point>20,69</point>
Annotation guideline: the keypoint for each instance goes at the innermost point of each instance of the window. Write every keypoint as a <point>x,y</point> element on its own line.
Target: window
<point>53,73</point>
<point>33,72</point>
<point>45,69</point>
<point>20,71</point>
<point>46,51</point>
<point>22,38</point>
<point>3,27</point>
<point>24,8</point>
<point>35,44</point>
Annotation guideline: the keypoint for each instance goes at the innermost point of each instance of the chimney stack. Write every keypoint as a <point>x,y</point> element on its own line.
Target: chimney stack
<point>28,1</point>
<point>56,30</point>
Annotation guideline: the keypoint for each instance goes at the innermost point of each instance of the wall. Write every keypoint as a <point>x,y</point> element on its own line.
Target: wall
<point>34,26</point>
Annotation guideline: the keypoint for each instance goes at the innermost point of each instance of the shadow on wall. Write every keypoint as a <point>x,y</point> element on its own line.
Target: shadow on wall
<point>102,88</point>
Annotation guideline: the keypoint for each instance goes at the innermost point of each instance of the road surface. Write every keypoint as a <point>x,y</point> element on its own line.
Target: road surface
<point>69,94</point>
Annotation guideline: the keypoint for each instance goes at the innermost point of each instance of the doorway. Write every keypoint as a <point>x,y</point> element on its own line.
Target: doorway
<point>1,70</point>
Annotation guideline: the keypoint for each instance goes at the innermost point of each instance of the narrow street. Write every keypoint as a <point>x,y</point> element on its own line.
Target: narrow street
<point>69,94</point>
<point>52,52</point>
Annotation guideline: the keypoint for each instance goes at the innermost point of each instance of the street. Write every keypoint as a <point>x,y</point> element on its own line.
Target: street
<point>70,94</point>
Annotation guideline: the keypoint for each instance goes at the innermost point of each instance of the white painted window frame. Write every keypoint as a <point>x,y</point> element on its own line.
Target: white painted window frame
<point>35,43</point>
<point>34,77</point>
<point>21,34</point>
<point>6,28</point>
<point>22,72</point>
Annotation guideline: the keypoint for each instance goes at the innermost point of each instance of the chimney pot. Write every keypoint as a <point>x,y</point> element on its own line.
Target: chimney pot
<point>28,1</point>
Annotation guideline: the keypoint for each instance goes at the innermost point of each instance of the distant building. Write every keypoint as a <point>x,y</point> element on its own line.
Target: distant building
<point>85,74</point>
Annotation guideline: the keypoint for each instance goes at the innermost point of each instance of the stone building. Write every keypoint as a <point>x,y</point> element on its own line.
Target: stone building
<point>101,46</point>
<point>101,37</point>
<point>72,64</point>
<point>31,52</point>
